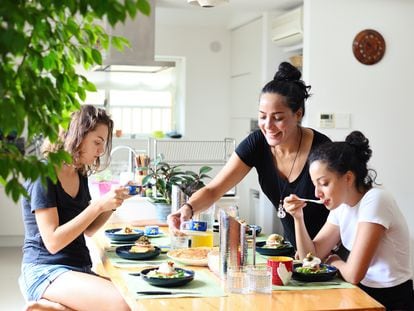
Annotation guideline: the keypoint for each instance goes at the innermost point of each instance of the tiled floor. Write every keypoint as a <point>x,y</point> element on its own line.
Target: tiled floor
<point>10,296</point>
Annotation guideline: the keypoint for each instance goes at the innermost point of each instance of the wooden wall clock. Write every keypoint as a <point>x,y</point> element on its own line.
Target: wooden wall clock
<point>368,47</point>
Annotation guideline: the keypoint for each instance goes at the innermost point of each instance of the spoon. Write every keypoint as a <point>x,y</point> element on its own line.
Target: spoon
<point>311,200</point>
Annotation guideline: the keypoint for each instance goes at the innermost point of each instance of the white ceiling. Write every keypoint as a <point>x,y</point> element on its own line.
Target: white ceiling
<point>229,15</point>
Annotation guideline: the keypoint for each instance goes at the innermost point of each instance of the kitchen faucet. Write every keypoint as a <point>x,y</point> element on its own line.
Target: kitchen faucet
<point>131,156</point>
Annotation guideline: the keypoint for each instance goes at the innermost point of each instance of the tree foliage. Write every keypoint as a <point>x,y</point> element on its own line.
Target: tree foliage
<point>41,43</point>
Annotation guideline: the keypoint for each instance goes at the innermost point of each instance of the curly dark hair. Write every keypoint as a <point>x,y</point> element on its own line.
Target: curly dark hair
<point>352,155</point>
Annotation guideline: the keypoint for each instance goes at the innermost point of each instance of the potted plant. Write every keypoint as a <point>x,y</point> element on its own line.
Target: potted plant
<point>191,181</point>
<point>163,176</point>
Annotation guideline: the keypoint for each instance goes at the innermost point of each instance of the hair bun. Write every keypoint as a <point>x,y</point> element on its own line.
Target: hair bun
<point>287,72</point>
<point>361,145</point>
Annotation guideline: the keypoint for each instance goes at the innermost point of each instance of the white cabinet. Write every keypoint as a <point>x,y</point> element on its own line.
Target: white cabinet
<point>246,64</point>
<point>246,47</point>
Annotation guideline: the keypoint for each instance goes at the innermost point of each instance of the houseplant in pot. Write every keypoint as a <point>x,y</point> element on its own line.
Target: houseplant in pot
<point>164,176</point>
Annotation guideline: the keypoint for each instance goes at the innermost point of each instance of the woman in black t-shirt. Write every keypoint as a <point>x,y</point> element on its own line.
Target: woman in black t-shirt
<point>56,267</point>
<point>279,152</point>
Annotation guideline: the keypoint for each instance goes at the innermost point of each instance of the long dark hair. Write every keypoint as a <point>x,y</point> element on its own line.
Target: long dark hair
<point>351,155</point>
<point>287,82</point>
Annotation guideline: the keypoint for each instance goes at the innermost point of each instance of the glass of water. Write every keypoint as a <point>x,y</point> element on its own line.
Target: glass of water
<point>260,279</point>
<point>237,281</point>
<point>178,242</point>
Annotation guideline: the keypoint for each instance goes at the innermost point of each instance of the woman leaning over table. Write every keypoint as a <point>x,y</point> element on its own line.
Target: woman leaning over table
<point>279,152</point>
<point>56,267</point>
<point>365,218</point>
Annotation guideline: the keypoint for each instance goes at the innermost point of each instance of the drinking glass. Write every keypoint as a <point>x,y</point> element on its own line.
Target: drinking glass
<point>178,242</point>
<point>237,280</point>
<point>260,279</point>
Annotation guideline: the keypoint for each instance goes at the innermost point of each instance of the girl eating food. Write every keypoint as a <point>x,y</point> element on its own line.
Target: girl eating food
<point>366,219</point>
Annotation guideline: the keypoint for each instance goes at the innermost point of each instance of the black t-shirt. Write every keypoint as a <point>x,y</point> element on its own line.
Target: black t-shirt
<point>255,152</point>
<point>34,251</point>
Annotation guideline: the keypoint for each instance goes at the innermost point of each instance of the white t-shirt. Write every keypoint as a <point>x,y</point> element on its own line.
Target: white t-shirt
<point>391,264</point>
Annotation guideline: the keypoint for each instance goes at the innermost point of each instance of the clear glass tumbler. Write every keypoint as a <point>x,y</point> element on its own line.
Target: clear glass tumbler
<point>237,281</point>
<point>260,279</point>
<point>178,242</point>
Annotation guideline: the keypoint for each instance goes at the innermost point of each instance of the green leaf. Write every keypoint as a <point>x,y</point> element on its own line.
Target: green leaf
<point>89,86</point>
<point>205,169</point>
<point>131,8</point>
<point>82,93</point>
<point>49,61</point>
<point>144,7</point>
<point>97,57</point>
<point>119,43</point>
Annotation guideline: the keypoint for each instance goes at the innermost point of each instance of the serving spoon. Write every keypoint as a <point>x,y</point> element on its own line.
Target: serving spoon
<point>312,200</point>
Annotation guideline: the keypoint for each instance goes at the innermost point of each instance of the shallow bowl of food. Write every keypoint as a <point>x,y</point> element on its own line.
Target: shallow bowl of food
<point>285,249</point>
<point>119,235</point>
<point>125,253</point>
<point>325,273</point>
<point>180,278</point>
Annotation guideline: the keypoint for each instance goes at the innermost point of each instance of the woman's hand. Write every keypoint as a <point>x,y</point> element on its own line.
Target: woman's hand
<point>175,219</point>
<point>294,206</point>
<point>113,199</point>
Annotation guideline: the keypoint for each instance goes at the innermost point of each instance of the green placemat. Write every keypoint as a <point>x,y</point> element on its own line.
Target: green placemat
<point>298,285</point>
<point>203,285</point>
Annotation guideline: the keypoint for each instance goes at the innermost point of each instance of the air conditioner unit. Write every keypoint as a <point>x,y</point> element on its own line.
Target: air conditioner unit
<point>287,29</point>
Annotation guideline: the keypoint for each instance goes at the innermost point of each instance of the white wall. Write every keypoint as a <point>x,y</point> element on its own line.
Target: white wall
<point>11,224</point>
<point>378,97</point>
<point>207,76</point>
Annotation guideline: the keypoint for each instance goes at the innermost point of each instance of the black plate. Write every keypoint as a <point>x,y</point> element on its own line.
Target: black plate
<point>123,252</point>
<point>314,277</point>
<point>288,250</point>
<point>168,282</point>
<point>114,236</point>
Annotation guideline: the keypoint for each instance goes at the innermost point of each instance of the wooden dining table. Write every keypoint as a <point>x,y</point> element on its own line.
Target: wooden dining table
<point>309,299</point>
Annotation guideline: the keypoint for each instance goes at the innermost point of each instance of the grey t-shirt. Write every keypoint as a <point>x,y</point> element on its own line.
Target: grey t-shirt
<point>34,251</point>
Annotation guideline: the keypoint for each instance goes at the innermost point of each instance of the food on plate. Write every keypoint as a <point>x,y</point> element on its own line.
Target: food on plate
<point>125,230</point>
<point>275,241</point>
<point>142,245</point>
<point>166,270</point>
<point>311,264</point>
<point>190,253</point>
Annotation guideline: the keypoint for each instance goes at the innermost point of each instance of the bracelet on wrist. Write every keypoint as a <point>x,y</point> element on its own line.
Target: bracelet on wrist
<point>191,208</point>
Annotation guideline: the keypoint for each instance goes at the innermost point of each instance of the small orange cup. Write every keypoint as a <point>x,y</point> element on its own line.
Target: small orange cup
<point>282,267</point>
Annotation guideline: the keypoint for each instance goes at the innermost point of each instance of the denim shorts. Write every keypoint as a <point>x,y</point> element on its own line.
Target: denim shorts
<point>35,278</point>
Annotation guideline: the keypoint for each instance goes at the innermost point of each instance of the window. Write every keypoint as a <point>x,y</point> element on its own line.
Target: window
<point>139,103</point>
<point>141,111</point>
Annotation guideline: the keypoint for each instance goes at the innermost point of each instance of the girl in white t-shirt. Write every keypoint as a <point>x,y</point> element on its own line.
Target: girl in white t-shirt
<point>364,218</point>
